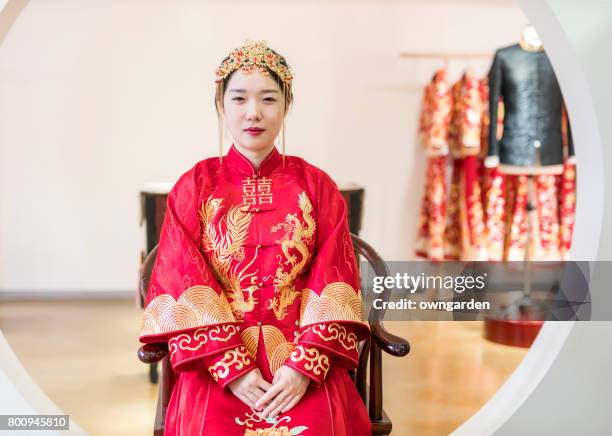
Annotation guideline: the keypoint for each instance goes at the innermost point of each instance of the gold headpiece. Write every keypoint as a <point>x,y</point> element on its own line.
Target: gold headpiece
<point>255,54</point>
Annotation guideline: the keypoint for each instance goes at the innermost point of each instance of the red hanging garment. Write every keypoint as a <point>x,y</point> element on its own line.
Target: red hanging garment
<point>465,218</point>
<point>433,133</point>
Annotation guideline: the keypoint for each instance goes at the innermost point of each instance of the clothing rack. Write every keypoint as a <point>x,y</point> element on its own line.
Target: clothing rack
<point>446,56</point>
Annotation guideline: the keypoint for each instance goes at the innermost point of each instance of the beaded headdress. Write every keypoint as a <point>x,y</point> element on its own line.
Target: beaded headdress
<point>252,55</point>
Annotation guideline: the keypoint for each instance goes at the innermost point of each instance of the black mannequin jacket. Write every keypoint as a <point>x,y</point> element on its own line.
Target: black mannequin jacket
<point>533,105</point>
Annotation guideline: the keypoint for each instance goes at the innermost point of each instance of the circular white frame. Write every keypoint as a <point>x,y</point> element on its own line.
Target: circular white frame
<point>589,213</point>
<point>588,228</point>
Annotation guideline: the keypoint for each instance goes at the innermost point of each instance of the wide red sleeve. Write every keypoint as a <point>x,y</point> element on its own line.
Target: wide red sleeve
<point>331,323</point>
<point>185,305</point>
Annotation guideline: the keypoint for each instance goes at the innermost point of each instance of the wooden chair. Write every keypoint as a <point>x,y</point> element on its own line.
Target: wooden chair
<point>370,350</point>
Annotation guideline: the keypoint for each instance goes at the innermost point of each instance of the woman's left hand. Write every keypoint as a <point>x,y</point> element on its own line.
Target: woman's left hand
<point>288,388</point>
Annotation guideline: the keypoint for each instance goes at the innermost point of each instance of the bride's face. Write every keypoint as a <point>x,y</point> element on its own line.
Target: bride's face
<point>253,107</point>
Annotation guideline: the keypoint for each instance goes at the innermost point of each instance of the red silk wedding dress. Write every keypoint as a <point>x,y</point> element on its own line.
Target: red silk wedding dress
<point>256,268</point>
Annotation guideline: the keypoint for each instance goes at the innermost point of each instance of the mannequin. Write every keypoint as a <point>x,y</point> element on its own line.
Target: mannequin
<point>530,154</point>
<point>531,39</point>
<point>523,78</point>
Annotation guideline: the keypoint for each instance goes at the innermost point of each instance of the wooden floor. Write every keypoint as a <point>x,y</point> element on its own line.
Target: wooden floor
<point>83,355</point>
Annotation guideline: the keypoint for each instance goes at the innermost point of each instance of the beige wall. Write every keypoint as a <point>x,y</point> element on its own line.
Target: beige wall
<point>97,98</point>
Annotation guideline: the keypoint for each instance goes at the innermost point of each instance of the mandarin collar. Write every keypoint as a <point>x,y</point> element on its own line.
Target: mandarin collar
<point>236,161</point>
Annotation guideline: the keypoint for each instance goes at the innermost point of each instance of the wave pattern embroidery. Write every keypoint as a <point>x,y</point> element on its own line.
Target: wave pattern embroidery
<point>338,302</point>
<point>198,306</point>
<point>277,347</point>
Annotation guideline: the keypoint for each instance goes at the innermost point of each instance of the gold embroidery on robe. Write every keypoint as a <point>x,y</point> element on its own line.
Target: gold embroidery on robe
<point>236,358</point>
<point>198,306</point>
<point>248,191</point>
<point>256,191</point>
<point>296,254</point>
<point>338,302</point>
<point>279,431</point>
<point>277,347</point>
<point>335,332</point>
<point>200,337</point>
<point>250,338</point>
<point>315,361</point>
<point>264,190</point>
<point>226,241</point>
<point>251,418</point>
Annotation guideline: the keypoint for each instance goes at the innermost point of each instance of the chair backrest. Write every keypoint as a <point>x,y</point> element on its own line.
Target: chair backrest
<point>370,356</point>
<point>146,268</point>
<point>379,268</point>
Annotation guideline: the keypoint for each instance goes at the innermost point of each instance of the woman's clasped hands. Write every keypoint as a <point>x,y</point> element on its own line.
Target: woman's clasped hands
<point>287,389</point>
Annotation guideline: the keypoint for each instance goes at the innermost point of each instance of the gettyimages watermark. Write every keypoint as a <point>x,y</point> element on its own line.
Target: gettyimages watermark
<point>421,290</point>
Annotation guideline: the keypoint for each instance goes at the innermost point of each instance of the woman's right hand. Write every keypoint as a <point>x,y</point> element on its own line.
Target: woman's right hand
<point>250,387</point>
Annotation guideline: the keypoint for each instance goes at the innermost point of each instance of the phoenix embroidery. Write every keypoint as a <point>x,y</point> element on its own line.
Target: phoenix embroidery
<point>226,242</point>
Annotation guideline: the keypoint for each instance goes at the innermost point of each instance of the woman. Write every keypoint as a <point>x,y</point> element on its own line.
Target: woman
<point>255,286</point>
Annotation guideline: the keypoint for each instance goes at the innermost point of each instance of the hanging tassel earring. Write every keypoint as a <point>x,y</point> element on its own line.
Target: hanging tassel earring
<point>283,142</point>
<point>221,130</point>
<point>220,119</point>
<point>285,90</point>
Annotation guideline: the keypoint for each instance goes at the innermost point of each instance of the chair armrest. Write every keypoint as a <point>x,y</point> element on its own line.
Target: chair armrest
<point>151,353</point>
<point>389,343</point>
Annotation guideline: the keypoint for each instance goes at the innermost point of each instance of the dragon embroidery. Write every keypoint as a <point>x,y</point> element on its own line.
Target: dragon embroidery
<point>295,253</point>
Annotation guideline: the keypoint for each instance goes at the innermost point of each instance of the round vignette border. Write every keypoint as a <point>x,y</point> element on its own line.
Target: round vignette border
<point>499,408</point>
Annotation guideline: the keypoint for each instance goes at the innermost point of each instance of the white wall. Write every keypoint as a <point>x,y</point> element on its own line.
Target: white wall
<point>97,98</point>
